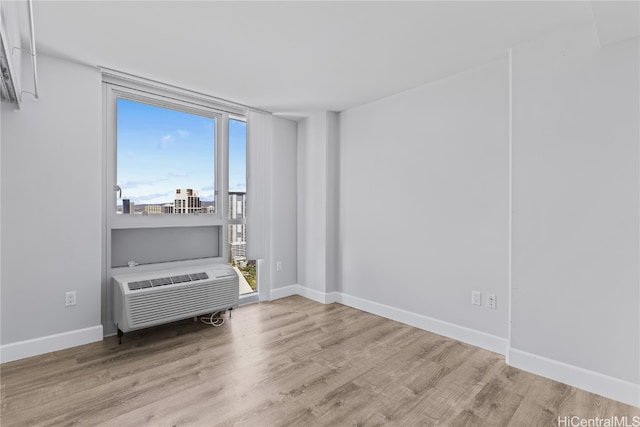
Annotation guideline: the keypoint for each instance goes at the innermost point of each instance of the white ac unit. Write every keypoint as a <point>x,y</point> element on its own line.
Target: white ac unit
<point>141,300</point>
<point>9,90</point>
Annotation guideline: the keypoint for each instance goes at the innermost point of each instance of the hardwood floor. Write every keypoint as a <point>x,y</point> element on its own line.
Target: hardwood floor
<point>291,362</point>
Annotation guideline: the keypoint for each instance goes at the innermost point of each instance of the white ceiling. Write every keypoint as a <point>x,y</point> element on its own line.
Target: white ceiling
<point>293,56</point>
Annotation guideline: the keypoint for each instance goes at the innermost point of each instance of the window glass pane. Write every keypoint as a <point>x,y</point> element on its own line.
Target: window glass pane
<point>165,160</point>
<point>237,243</point>
<point>238,258</point>
<point>237,207</point>
<point>237,168</point>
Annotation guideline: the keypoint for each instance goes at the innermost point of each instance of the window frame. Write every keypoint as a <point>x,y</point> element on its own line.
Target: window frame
<point>115,88</point>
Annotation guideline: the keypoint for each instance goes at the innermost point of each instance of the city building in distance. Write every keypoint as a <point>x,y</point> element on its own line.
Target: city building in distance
<point>187,201</point>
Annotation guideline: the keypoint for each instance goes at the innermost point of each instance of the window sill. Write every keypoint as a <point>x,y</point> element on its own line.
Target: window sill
<point>125,221</point>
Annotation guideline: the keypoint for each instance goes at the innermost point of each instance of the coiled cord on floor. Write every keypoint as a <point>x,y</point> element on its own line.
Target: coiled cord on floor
<point>215,319</point>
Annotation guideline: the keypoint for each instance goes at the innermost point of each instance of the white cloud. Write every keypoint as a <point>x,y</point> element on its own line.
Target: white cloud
<point>155,198</point>
<point>178,174</point>
<point>130,184</point>
<point>165,140</point>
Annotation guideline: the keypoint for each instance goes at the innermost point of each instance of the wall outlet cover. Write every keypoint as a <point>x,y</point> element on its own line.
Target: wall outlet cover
<point>476,297</point>
<point>492,301</point>
<point>70,298</point>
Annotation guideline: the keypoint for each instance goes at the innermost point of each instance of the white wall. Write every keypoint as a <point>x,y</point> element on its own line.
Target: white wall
<point>311,203</point>
<point>284,202</point>
<point>317,206</point>
<point>333,263</point>
<point>424,200</point>
<point>575,221</point>
<point>51,206</point>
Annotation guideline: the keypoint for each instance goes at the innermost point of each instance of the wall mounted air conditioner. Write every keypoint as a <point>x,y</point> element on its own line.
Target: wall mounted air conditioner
<point>9,88</point>
<point>141,300</point>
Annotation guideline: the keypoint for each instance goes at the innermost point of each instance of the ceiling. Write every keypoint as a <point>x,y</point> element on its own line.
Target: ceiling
<point>293,56</point>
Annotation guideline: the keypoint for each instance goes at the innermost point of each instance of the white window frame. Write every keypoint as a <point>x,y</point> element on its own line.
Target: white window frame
<point>176,99</point>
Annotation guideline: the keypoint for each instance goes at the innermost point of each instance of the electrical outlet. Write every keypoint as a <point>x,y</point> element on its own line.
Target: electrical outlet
<point>70,298</point>
<point>278,265</point>
<point>476,297</point>
<point>492,301</point>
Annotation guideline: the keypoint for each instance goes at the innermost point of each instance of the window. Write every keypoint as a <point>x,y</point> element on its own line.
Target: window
<point>174,161</point>
<point>237,204</point>
<point>165,160</point>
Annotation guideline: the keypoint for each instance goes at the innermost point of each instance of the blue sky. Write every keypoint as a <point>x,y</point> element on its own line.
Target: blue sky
<point>160,150</point>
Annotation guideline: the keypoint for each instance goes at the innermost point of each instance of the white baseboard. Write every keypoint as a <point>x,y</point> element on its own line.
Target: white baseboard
<point>594,382</point>
<point>440,327</point>
<point>321,297</point>
<point>285,291</point>
<point>49,343</point>
<point>312,294</point>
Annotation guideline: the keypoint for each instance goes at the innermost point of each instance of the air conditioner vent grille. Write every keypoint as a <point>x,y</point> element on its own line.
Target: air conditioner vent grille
<point>134,286</point>
<point>199,276</point>
<point>174,303</point>
<point>181,279</point>
<point>163,281</point>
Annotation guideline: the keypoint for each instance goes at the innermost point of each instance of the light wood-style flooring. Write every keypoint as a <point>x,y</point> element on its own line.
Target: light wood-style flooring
<point>291,362</point>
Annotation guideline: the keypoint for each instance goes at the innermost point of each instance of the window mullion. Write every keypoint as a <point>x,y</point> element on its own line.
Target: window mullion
<point>223,187</point>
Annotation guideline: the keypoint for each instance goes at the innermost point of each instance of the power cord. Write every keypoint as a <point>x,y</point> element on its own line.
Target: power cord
<point>215,319</point>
